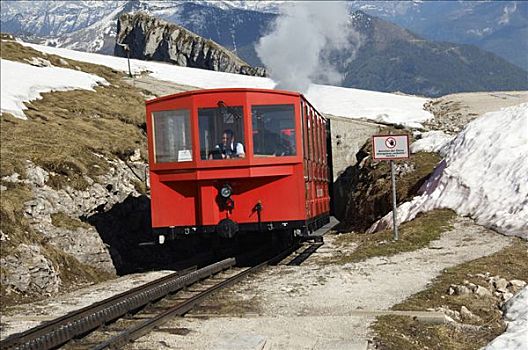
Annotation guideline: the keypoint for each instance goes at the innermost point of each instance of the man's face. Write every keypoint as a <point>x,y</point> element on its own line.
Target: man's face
<point>226,139</point>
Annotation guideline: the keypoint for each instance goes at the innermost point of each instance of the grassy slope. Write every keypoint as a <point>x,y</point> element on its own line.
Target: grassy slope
<point>66,129</point>
<point>395,332</point>
<point>413,235</point>
<point>64,133</point>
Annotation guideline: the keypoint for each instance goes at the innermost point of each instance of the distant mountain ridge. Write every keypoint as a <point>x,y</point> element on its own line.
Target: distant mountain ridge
<point>394,59</point>
<point>391,58</point>
<point>500,27</point>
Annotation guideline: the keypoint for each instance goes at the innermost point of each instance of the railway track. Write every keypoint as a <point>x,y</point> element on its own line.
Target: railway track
<point>114,322</point>
<point>302,253</point>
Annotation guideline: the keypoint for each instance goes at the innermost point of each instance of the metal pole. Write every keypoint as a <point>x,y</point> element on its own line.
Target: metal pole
<point>128,59</point>
<point>394,212</point>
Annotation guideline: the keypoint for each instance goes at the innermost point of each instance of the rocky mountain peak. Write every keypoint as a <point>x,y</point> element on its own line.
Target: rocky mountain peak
<point>150,38</point>
<point>378,31</point>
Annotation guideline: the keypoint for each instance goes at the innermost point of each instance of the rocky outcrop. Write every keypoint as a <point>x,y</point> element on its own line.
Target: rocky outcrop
<point>498,287</point>
<point>367,192</point>
<point>29,269</point>
<point>149,38</point>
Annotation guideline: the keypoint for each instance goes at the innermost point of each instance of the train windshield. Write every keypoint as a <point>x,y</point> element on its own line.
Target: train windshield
<point>273,130</point>
<point>221,132</point>
<point>172,136</point>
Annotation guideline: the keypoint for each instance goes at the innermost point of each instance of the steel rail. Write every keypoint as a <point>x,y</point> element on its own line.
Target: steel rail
<point>180,309</point>
<point>56,332</point>
<point>299,259</point>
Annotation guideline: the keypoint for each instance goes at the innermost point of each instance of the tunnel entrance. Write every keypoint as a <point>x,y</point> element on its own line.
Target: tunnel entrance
<point>126,228</point>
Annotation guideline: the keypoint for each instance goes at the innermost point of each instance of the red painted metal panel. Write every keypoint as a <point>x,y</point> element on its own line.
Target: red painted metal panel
<point>172,202</point>
<point>231,173</point>
<point>185,194</point>
<point>281,197</point>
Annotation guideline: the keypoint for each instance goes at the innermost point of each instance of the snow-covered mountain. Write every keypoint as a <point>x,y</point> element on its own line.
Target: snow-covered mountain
<point>91,25</point>
<point>390,58</point>
<point>497,26</point>
<point>53,18</point>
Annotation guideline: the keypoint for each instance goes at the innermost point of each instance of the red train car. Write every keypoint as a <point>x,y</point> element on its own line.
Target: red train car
<point>224,161</point>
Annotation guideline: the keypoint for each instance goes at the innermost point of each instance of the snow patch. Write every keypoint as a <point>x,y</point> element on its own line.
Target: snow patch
<point>484,175</point>
<point>23,83</point>
<point>338,101</point>
<point>431,141</point>
<point>516,335</point>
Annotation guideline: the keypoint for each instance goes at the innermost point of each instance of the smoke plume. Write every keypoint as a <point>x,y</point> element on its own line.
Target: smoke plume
<point>305,43</point>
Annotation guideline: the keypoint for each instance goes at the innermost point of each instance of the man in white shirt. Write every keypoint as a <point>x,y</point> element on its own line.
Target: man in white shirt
<point>229,147</point>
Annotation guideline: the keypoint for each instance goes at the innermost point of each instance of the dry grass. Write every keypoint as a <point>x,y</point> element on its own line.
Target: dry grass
<point>12,221</point>
<point>65,221</point>
<point>413,235</point>
<point>408,184</point>
<point>70,134</point>
<point>67,132</point>
<point>405,333</point>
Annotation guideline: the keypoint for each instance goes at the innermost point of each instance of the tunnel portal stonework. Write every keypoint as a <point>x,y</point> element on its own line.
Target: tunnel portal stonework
<point>347,137</point>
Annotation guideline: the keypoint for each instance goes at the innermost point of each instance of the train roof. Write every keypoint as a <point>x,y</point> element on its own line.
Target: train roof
<point>221,90</point>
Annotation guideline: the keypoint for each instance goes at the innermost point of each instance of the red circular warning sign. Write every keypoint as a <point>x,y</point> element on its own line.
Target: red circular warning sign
<point>390,142</point>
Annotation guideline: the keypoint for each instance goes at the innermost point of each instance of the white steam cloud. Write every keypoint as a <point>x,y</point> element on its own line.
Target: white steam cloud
<point>303,44</point>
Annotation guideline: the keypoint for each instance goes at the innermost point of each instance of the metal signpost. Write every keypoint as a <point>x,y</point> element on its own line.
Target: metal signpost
<point>127,50</point>
<point>391,147</point>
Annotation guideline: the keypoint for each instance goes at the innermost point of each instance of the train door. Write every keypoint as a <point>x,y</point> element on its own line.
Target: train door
<point>306,158</point>
<point>329,172</point>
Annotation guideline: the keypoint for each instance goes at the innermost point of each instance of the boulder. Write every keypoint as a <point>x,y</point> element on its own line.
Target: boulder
<point>483,292</point>
<point>452,314</point>
<point>467,315</point>
<point>28,271</point>
<point>458,290</point>
<point>499,283</point>
<point>516,285</point>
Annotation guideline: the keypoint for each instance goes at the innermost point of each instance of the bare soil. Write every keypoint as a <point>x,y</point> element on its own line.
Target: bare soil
<point>453,112</point>
<point>321,305</point>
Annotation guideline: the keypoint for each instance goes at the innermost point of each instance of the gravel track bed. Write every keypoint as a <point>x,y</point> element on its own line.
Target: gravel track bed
<point>317,306</point>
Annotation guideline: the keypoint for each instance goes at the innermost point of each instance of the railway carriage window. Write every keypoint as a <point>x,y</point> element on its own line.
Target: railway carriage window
<point>306,138</point>
<point>316,138</point>
<point>221,132</point>
<point>311,125</point>
<point>319,144</point>
<point>172,136</point>
<point>273,130</point>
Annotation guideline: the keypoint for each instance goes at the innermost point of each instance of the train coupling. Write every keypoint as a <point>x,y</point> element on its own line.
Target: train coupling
<point>227,228</point>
